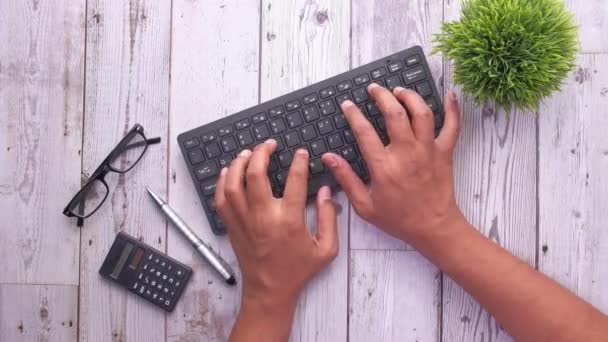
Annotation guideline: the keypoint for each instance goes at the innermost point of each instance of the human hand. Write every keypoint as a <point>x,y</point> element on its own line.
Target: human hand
<point>275,249</point>
<point>411,192</point>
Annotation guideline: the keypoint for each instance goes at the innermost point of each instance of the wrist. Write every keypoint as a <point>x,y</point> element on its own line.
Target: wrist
<point>444,228</point>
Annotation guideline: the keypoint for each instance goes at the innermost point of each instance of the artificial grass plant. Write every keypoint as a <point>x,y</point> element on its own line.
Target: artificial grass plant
<point>510,52</point>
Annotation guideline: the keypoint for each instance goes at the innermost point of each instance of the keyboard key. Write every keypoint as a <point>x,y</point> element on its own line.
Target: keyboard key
<point>393,82</point>
<point>317,147</point>
<point>340,121</point>
<point>324,126</point>
<point>285,159</point>
<point>224,160</point>
<point>316,166</point>
<point>207,137</point>
<point>225,130</point>
<point>190,143</point>
<point>273,165</point>
<point>396,66</point>
<point>210,204</point>
<point>281,178</point>
<point>362,109</point>
<point>412,60</point>
<point>359,80</point>
<point>432,104</point>
<point>372,109</point>
<point>280,145</point>
<point>206,170</point>
<point>242,124</point>
<point>381,124</point>
<point>334,141</point>
<point>348,136</point>
<point>292,139</point>
<point>327,107</point>
<point>261,132</point>
<point>219,225</point>
<point>278,126</point>
<point>359,170</point>
<point>245,138</point>
<point>349,153</point>
<point>424,89</point>
<point>310,114</point>
<point>344,85</point>
<point>228,144</point>
<point>343,97</point>
<point>327,92</point>
<point>311,98</point>
<point>293,105</point>
<point>308,132</point>
<point>276,111</point>
<point>379,73</point>
<point>209,187</point>
<point>259,117</point>
<point>294,120</point>
<point>212,150</point>
<point>196,156</point>
<point>413,75</point>
<point>360,95</point>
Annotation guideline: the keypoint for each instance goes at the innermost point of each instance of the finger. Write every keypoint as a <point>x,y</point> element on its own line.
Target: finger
<point>297,181</point>
<point>367,139</point>
<point>327,227</point>
<point>421,115</point>
<point>258,185</point>
<point>351,183</point>
<point>451,128</point>
<point>395,115</point>
<point>222,205</point>
<point>235,184</point>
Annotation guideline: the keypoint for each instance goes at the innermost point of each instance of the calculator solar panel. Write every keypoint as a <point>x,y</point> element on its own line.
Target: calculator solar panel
<point>308,118</point>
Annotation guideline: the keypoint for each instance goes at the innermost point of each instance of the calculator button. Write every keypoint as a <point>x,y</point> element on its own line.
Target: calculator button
<point>142,289</point>
<point>135,286</point>
<point>160,287</point>
<point>177,284</point>
<point>163,264</point>
<point>145,267</point>
<point>164,277</point>
<point>170,267</point>
<point>141,275</point>
<point>179,273</point>
<point>156,261</point>
<point>148,293</point>
<point>161,299</point>
<point>153,283</point>
<point>158,273</point>
<point>167,302</point>
<point>155,295</point>
<point>172,293</point>
<point>166,290</point>
<point>170,280</point>
<point>152,270</point>
<point>147,280</point>
<point>150,257</point>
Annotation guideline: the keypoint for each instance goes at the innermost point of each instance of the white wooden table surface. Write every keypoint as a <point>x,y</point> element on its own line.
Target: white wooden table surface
<point>75,75</point>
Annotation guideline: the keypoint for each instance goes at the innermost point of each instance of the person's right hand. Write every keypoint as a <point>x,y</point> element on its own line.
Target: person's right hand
<point>412,189</point>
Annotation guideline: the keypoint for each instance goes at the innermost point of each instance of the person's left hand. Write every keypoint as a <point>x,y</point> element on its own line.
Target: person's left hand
<point>275,249</point>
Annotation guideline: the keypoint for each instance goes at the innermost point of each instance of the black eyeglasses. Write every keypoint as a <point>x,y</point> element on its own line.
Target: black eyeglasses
<point>122,159</point>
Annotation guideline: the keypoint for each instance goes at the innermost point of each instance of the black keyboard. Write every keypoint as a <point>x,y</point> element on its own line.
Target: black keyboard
<point>308,118</point>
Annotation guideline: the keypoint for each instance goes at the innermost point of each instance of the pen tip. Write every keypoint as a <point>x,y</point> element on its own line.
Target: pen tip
<point>231,281</point>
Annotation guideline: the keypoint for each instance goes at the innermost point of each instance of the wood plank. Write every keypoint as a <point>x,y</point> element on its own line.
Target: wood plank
<point>395,296</point>
<point>38,312</point>
<point>214,73</point>
<point>304,42</point>
<point>573,189</point>
<point>41,88</point>
<point>127,80</point>
<point>495,176</point>
<point>592,18</point>
<point>374,37</point>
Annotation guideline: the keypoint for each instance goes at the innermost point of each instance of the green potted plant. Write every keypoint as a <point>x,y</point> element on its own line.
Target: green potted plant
<point>510,52</point>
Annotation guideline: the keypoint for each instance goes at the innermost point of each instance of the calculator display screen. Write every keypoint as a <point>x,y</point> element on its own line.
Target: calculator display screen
<point>124,255</point>
<point>137,256</point>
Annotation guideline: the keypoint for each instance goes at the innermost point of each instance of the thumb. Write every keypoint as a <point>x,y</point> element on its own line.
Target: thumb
<point>327,227</point>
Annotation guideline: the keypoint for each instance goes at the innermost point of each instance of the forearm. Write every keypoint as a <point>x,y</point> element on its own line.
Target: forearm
<point>528,304</point>
<point>261,320</point>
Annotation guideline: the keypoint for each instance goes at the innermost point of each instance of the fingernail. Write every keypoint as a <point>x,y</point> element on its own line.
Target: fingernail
<point>245,153</point>
<point>331,161</point>
<point>270,141</point>
<point>223,171</point>
<point>372,86</point>
<point>347,103</point>
<point>324,193</point>
<point>302,152</point>
<point>452,95</point>
<point>398,90</point>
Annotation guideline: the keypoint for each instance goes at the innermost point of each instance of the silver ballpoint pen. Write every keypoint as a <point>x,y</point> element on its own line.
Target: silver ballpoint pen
<point>208,254</point>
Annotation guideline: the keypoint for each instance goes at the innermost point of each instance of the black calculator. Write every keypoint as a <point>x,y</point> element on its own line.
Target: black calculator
<point>145,271</point>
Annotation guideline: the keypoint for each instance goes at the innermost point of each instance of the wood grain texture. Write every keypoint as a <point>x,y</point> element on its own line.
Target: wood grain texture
<point>41,87</point>
<point>495,177</point>
<point>304,42</point>
<point>592,18</point>
<point>127,82</point>
<point>38,313</point>
<point>573,189</point>
<point>214,73</point>
<point>381,28</point>
<point>394,296</point>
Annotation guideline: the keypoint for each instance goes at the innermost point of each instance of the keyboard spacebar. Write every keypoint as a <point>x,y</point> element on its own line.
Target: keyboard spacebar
<point>316,182</point>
